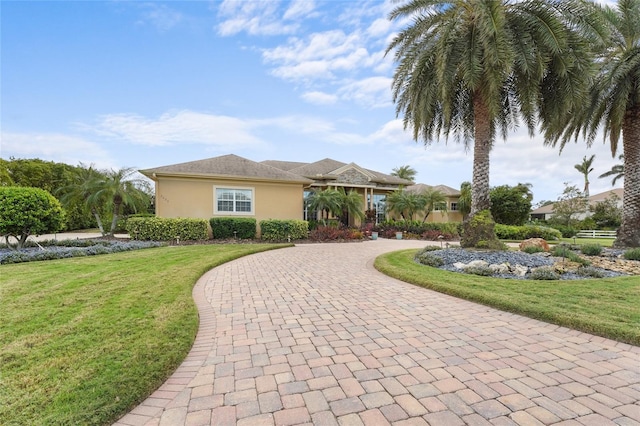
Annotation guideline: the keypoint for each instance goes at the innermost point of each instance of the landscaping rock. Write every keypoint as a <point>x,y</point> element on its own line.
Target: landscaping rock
<point>534,242</point>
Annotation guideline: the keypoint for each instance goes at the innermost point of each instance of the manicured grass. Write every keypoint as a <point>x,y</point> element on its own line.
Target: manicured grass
<point>84,340</point>
<point>604,242</point>
<point>608,307</point>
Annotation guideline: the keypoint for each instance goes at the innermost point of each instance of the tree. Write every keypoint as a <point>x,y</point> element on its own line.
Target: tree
<point>585,168</point>
<point>28,211</point>
<point>405,203</point>
<point>614,106</point>
<point>80,191</point>
<point>351,205</point>
<point>606,213</point>
<point>473,67</point>
<point>511,205</point>
<point>433,198</point>
<point>405,172</point>
<point>464,202</point>
<point>617,171</point>
<point>569,204</point>
<point>326,201</point>
<point>118,188</point>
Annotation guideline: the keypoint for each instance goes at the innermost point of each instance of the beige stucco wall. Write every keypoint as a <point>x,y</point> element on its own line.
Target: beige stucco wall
<point>194,198</point>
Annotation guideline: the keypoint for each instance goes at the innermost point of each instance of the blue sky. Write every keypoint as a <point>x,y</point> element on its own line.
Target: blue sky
<point>147,84</point>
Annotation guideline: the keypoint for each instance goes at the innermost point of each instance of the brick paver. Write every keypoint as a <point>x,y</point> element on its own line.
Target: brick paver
<point>313,334</point>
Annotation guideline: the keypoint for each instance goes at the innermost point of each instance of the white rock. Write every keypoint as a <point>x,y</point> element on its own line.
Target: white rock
<point>520,270</point>
<point>459,265</point>
<point>477,264</point>
<point>502,268</point>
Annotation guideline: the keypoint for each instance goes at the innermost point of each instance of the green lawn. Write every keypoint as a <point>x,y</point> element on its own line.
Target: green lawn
<point>84,340</point>
<point>607,307</point>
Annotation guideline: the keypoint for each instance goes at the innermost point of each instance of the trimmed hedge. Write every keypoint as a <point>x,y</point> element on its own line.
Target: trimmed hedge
<point>282,230</point>
<point>166,229</point>
<point>512,232</point>
<point>448,230</point>
<point>224,227</point>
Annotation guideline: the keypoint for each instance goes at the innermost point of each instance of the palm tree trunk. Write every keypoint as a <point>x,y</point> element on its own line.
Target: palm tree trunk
<point>98,220</point>
<point>114,220</point>
<point>481,149</point>
<point>629,231</point>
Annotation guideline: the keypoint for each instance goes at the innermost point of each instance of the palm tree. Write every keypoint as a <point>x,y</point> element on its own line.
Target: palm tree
<point>617,171</point>
<point>474,67</point>
<point>585,168</point>
<point>351,205</point>
<point>405,203</point>
<point>405,172</point>
<point>81,190</point>
<point>615,106</point>
<point>432,198</point>
<point>327,201</point>
<point>119,188</point>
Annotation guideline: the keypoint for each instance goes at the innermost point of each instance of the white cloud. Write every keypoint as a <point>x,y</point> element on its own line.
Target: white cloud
<point>55,147</point>
<point>161,16</point>
<point>299,8</point>
<point>374,92</point>
<point>255,18</point>
<point>179,128</point>
<point>319,98</point>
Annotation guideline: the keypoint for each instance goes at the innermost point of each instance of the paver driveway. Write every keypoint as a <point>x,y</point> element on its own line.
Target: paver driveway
<point>313,334</point>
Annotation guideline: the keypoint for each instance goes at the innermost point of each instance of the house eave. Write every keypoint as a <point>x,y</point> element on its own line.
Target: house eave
<point>207,176</point>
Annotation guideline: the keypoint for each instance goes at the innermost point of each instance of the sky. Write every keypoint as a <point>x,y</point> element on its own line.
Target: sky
<point>146,84</point>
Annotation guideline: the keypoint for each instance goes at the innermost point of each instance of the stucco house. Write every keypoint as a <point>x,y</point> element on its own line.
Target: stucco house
<point>446,213</point>
<point>230,185</point>
<point>546,212</point>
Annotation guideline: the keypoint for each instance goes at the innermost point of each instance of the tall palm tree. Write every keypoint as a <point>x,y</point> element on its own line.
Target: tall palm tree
<point>474,67</point>
<point>615,106</point>
<point>432,198</point>
<point>585,168</point>
<point>405,172</point>
<point>617,171</point>
<point>119,188</point>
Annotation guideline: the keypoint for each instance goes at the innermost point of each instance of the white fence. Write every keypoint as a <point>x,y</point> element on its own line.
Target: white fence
<point>592,233</point>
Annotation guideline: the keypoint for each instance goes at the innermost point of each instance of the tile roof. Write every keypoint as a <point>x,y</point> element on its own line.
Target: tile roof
<point>227,166</point>
<point>548,209</point>
<point>446,190</point>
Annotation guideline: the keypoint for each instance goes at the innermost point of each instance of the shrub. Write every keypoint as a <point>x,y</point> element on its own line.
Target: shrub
<point>428,259</point>
<point>283,230</point>
<point>479,230</point>
<point>632,254</point>
<point>510,232</point>
<point>492,245</point>
<point>590,271</point>
<point>428,249</point>
<point>166,229</point>
<point>484,271</point>
<point>533,249</point>
<point>544,273</point>
<point>427,230</point>
<point>330,233</point>
<point>65,249</point>
<point>233,227</point>
<point>565,252</point>
<point>28,211</point>
<point>591,249</point>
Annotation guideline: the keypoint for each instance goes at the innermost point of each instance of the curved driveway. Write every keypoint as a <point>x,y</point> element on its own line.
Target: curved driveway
<point>313,334</point>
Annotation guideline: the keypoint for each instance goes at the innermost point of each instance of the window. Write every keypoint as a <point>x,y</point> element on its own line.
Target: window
<point>307,213</point>
<point>380,206</point>
<point>454,207</point>
<point>233,200</point>
<point>440,207</point>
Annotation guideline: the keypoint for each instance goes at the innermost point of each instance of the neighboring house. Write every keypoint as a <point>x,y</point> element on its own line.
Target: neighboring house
<point>546,212</point>
<point>230,185</point>
<point>446,213</point>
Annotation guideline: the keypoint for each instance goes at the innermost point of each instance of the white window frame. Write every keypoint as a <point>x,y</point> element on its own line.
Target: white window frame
<point>234,188</point>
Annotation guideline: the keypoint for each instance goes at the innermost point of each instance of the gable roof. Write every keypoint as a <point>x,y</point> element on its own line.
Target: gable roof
<point>330,169</point>
<point>446,190</point>
<point>548,209</point>
<point>283,165</point>
<point>228,166</point>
